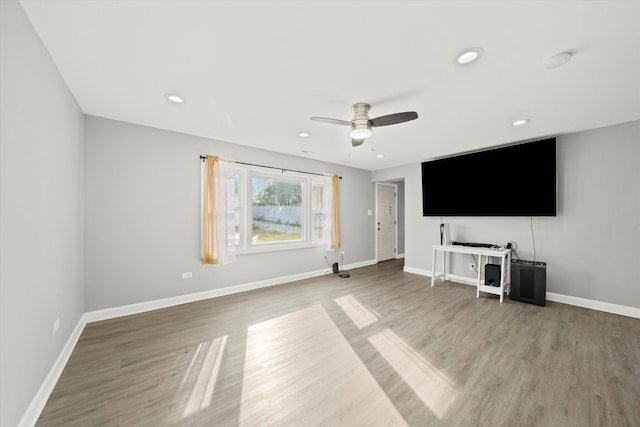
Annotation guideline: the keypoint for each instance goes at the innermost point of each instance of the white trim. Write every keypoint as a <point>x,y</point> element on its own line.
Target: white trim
<point>606,307</point>
<point>399,256</point>
<point>126,310</point>
<point>38,402</point>
<point>360,264</point>
<point>472,281</point>
<point>280,246</point>
<point>418,271</point>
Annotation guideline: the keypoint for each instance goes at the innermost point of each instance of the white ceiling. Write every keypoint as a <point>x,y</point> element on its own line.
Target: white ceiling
<point>253,72</point>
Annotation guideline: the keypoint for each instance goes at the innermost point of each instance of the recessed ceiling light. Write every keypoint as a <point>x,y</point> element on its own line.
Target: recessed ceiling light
<point>303,134</point>
<point>470,55</point>
<point>175,98</point>
<point>379,156</point>
<point>520,122</point>
<point>558,60</point>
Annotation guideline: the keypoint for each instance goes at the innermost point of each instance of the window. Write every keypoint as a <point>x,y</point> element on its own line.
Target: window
<point>278,210</point>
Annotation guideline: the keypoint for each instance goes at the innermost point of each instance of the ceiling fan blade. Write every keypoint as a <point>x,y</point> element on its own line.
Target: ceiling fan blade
<point>332,121</point>
<point>356,142</point>
<point>392,119</point>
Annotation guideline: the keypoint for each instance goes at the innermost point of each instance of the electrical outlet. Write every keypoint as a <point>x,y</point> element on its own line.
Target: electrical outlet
<point>472,267</point>
<point>342,254</point>
<point>187,275</point>
<point>56,325</point>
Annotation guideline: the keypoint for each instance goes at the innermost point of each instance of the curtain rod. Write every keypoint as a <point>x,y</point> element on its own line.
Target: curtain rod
<point>203,158</point>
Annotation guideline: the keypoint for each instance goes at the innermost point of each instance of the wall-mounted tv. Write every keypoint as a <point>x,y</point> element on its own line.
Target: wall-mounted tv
<point>516,180</point>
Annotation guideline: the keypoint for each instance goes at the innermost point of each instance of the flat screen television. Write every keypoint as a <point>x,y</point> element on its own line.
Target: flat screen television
<point>516,180</point>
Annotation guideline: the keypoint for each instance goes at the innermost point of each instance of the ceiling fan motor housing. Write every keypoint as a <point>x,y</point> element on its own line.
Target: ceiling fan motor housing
<point>360,124</point>
<point>360,114</point>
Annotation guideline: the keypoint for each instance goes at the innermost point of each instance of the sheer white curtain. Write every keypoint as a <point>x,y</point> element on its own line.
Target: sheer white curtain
<point>218,227</point>
<point>331,212</point>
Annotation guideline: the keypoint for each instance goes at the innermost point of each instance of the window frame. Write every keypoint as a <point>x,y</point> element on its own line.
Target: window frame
<point>245,190</point>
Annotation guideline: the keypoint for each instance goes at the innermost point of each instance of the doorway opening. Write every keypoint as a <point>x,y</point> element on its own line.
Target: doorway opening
<point>389,224</point>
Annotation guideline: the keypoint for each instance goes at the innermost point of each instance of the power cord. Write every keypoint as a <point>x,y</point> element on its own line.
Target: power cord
<point>341,273</point>
<point>513,246</point>
<point>533,238</point>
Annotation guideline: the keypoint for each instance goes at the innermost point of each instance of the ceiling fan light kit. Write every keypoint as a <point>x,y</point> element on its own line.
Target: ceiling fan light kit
<point>360,132</point>
<point>361,124</point>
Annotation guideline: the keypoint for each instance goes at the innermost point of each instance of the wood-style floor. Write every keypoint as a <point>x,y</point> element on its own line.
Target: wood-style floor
<point>381,348</point>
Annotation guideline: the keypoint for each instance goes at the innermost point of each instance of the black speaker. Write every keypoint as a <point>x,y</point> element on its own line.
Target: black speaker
<point>492,275</point>
<point>529,281</point>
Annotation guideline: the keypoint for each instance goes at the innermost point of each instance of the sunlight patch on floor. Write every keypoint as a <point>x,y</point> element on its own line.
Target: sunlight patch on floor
<point>300,370</point>
<point>203,389</point>
<point>428,383</point>
<point>193,361</point>
<point>357,312</point>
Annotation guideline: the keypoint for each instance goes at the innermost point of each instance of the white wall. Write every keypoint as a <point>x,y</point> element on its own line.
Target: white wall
<point>41,212</point>
<point>143,216</point>
<point>591,247</point>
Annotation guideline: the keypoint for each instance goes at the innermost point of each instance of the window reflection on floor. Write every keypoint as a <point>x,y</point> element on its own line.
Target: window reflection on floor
<point>204,387</point>
<point>301,370</point>
<point>359,314</point>
<point>428,383</point>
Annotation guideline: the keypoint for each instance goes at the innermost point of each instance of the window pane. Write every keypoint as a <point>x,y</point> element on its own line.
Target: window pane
<point>316,211</point>
<point>276,210</point>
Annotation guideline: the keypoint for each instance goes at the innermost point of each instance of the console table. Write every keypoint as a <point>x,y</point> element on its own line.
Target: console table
<point>505,266</point>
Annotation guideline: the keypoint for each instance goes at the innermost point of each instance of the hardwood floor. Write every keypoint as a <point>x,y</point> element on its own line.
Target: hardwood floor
<point>381,348</point>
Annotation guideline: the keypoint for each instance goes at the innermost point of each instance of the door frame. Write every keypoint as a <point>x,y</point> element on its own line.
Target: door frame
<point>375,222</point>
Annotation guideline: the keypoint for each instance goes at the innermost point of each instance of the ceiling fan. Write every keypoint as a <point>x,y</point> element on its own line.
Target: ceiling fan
<point>361,124</point>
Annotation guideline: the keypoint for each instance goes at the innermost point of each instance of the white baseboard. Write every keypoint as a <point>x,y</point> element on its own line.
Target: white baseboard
<point>606,307</point>
<point>38,402</point>
<point>40,399</point>
<point>399,256</point>
<point>359,264</point>
<point>418,271</point>
<point>126,310</point>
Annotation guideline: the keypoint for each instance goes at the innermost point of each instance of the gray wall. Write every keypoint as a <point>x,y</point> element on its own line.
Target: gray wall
<point>142,215</point>
<point>41,212</point>
<point>591,247</point>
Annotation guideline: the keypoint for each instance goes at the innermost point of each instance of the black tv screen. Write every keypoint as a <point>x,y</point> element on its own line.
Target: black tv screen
<point>517,180</point>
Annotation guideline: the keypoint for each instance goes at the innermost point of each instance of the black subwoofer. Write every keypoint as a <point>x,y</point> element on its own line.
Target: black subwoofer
<point>492,274</point>
<point>529,281</point>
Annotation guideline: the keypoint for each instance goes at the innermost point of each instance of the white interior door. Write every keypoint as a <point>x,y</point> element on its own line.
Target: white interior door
<point>386,222</point>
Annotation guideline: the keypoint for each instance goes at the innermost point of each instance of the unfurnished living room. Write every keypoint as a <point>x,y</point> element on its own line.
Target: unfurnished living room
<point>319,213</point>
